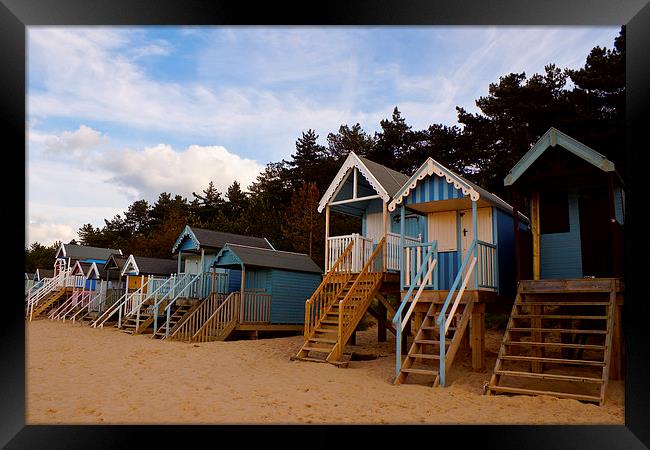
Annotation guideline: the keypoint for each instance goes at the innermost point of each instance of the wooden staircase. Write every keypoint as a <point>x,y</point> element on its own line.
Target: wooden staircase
<point>137,322</point>
<point>218,326</point>
<point>47,303</point>
<point>188,328</point>
<point>338,305</point>
<point>423,358</point>
<point>178,316</point>
<point>558,340</point>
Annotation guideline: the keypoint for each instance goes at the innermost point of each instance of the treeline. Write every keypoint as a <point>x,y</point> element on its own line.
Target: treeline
<point>588,104</point>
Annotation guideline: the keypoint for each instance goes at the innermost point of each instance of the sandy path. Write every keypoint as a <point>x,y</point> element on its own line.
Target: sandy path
<point>77,374</point>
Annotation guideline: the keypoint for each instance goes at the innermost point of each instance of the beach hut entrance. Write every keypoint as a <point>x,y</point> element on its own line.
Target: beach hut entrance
<point>595,236</point>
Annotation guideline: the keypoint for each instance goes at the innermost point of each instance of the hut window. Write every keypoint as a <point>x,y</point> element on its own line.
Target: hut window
<point>554,212</point>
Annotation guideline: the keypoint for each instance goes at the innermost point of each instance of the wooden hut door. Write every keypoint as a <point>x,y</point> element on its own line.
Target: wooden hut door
<point>595,232</point>
<point>484,226</point>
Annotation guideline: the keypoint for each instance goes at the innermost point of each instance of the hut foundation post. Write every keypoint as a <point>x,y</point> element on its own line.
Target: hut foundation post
<point>381,322</point>
<point>477,336</point>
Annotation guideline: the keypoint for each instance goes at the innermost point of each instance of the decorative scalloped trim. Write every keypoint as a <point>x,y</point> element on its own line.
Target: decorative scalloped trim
<point>433,168</point>
<point>186,232</point>
<point>352,161</point>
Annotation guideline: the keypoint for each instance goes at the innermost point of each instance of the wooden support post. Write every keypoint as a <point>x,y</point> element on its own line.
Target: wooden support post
<point>534,213</point>
<point>616,371</point>
<point>537,336</point>
<point>515,221</point>
<point>477,331</point>
<point>405,334</point>
<point>179,261</point>
<point>241,293</point>
<point>381,322</point>
<point>615,241</point>
<point>327,235</point>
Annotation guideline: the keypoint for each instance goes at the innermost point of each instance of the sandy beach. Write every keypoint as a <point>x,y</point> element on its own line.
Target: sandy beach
<point>81,375</point>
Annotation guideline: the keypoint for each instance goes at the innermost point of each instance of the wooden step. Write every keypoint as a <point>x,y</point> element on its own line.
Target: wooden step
<point>561,303</point>
<point>330,322</point>
<point>424,356</point>
<point>558,330</point>
<point>561,290</point>
<point>323,340</point>
<point>326,330</point>
<point>513,390</point>
<point>307,358</point>
<point>431,341</point>
<point>581,362</point>
<point>556,344</point>
<point>548,376</point>
<point>421,371</point>
<point>317,349</point>
<point>557,316</point>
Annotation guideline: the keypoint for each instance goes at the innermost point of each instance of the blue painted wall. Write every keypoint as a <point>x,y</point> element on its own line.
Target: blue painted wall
<point>433,188</point>
<point>619,205</point>
<point>290,291</point>
<point>234,280</point>
<point>506,252</point>
<point>188,244</point>
<point>560,253</point>
<point>448,263</point>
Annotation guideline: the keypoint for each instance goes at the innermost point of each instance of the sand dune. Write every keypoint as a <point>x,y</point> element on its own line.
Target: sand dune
<point>81,375</point>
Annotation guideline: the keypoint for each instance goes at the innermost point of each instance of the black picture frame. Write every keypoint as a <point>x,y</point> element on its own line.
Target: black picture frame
<point>16,15</point>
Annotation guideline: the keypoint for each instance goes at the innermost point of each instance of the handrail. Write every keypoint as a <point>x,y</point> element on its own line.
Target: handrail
<point>345,331</point>
<point>321,299</point>
<point>221,318</point>
<point>417,296</point>
<point>440,320</point>
<point>96,301</point>
<point>198,317</point>
<point>398,323</point>
<point>99,322</point>
<point>197,277</point>
<point>445,305</point>
<point>117,307</point>
<point>48,287</point>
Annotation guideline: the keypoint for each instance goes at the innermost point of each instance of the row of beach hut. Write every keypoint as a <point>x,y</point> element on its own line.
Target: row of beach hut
<point>434,254</point>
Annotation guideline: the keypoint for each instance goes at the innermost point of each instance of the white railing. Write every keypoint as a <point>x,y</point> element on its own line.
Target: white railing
<point>188,287</point>
<point>361,250</point>
<point>393,249</point>
<point>487,265</point>
<point>416,254</point>
<point>48,286</point>
<point>96,304</point>
<point>133,303</point>
<point>35,287</point>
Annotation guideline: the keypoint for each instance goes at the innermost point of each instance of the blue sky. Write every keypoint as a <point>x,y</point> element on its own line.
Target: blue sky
<point>116,114</point>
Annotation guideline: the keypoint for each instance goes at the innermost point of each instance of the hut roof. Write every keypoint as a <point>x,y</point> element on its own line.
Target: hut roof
<point>115,261</point>
<point>217,239</point>
<point>144,265</point>
<point>82,252</point>
<point>384,180</point>
<point>552,138</point>
<point>474,191</point>
<point>273,259</point>
<point>44,273</point>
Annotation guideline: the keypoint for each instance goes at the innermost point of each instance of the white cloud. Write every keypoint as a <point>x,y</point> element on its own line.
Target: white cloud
<point>75,142</point>
<point>65,193</point>
<point>48,233</point>
<point>161,168</point>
